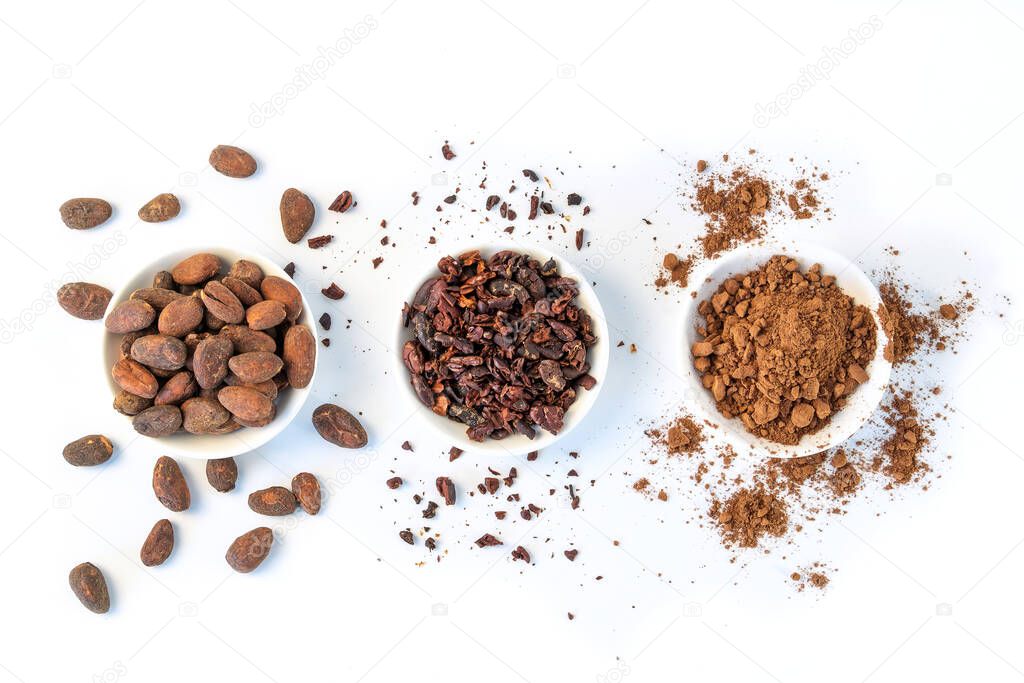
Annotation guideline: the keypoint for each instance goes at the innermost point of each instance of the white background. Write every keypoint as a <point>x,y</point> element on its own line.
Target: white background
<point>125,100</point>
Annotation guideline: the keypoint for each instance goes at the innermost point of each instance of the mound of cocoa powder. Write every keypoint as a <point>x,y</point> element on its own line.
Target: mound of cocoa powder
<point>781,349</point>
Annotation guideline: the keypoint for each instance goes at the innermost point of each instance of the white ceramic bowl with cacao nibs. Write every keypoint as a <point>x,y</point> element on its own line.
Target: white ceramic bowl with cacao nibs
<point>454,432</point>
<point>705,280</point>
<point>206,446</point>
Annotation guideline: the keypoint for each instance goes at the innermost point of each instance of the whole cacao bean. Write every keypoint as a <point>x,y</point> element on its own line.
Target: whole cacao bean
<point>299,353</point>
<point>222,473</point>
<point>255,367</point>
<point>248,272</point>
<point>163,280</point>
<point>178,388</point>
<point>267,388</point>
<point>196,269</point>
<point>160,208</point>
<point>233,162</point>
<point>181,316</point>
<point>279,289</point>
<point>158,545</point>
<point>158,421</point>
<point>170,486</point>
<point>157,297</point>
<point>85,212</point>
<point>222,302</point>
<point>89,450</point>
<point>297,214</point>
<point>203,415</point>
<point>259,422</point>
<point>210,361</point>
<point>265,314</point>
<point>159,351</point>
<point>247,405</point>
<point>306,490</point>
<point>250,549</point>
<point>84,300</point>
<point>275,501</point>
<point>130,316</point>
<point>246,294</point>
<point>338,426</point>
<point>89,586</point>
<point>129,404</point>
<point>131,376</point>
<point>246,340</point>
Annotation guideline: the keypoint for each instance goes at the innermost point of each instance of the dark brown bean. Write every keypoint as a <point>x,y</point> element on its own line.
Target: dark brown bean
<point>159,351</point>
<point>265,314</point>
<point>279,289</point>
<point>158,421</point>
<point>336,425</point>
<point>248,272</point>
<point>250,549</point>
<point>222,473</point>
<point>89,586</point>
<point>299,354</point>
<point>275,501</point>
<point>246,294</point>
<point>157,297</point>
<point>222,302</point>
<point>84,300</point>
<point>181,316</point>
<point>210,361</point>
<point>158,545</point>
<point>245,340</point>
<point>90,450</point>
<point>306,489</point>
<point>131,376</point>
<point>170,486</point>
<point>177,389</point>
<point>297,214</point>
<point>196,269</point>
<point>256,366</point>
<point>247,405</point>
<point>129,404</point>
<point>203,415</point>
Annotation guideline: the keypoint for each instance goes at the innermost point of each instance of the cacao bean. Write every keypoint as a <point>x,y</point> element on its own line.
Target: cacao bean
<point>246,294</point>
<point>130,316</point>
<point>160,351</point>
<point>245,340</point>
<point>203,415</point>
<point>256,366</point>
<point>177,389</point>
<point>210,360</point>
<point>250,549</point>
<point>222,302</point>
<point>306,490</point>
<point>248,272</point>
<point>129,404</point>
<point>233,162</point>
<point>196,269</point>
<point>89,586</point>
<point>338,426</point>
<point>299,355</point>
<point>265,314</point>
<point>160,208</point>
<point>279,289</point>
<point>275,501</point>
<point>131,376</point>
<point>158,545</point>
<point>84,300</point>
<point>170,486</point>
<point>157,297</point>
<point>247,405</point>
<point>84,213</point>
<point>181,316</point>
<point>90,450</point>
<point>297,214</point>
<point>222,473</point>
<point>158,421</point>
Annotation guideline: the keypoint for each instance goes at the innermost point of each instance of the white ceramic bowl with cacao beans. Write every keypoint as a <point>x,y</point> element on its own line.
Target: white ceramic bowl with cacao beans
<point>455,432</point>
<point>289,401</point>
<point>860,405</point>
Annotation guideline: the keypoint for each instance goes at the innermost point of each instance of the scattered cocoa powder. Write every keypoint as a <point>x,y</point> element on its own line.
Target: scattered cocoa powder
<point>782,350</point>
<point>906,331</point>
<point>747,515</point>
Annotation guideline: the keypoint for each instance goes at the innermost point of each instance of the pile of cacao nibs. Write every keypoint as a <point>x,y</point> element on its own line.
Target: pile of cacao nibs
<point>498,344</point>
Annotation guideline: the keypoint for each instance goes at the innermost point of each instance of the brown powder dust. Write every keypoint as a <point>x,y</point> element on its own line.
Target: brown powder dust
<point>782,350</point>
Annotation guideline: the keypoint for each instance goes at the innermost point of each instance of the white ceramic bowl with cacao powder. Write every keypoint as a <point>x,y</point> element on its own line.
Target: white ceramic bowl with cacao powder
<point>517,444</point>
<point>206,446</point>
<point>845,421</point>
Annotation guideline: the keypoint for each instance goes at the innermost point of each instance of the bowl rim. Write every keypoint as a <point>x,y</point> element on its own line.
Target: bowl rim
<point>207,446</point>
<point>517,444</point>
<point>854,282</point>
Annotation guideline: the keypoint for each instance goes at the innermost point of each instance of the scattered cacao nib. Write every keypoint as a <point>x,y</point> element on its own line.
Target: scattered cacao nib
<point>571,554</point>
<point>384,241</point>
<point>520,554</point>
<point>454,453</point>
<point>534,203</point>
<point>450,199</point>
<point>406,446</point>
<point>511,215</point>
<point>342,203</point>
<point>571,616</point>
<point>446,488</point>
<point>532,175</point>
<point>446,152</point>
<point>524,372</point>
<point>290,269</point>
<point>417,498</point>
<point>325,341</point>
<point>415,198</point>
<point>491,484</point>
<point>500,514</point>
<point>430,510</point>
<point>394,482</point>
<point>430,543</point>
<point>573,473</point>
<point>325,321</point>
<point>586,210</point>
<point>487,540</point>
<point>492,201</point>
<point>510,229</point>
<point>377,261</point>
<point>579,239</point>
<point>384,223</point>
<point>532,455</point>
<point>406,536</point>
<point>333,291</point>
<point>573,199</point>
<point>526,514</point>
<point>318,242</point>
<point>547,208</point>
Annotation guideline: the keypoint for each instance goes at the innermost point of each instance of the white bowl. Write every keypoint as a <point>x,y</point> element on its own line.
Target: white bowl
<point>207,446</point>
<point>860,405</point>
<point>516,444</point>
